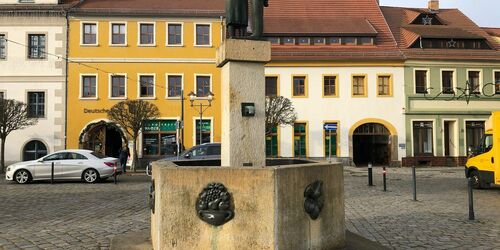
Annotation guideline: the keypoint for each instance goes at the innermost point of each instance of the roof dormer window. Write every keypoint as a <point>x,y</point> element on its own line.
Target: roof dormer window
<point>427,19</point>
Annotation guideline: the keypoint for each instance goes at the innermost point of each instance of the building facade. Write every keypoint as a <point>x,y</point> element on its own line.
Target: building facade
<point>340,65</point>
<point>452,82</point>
<point>33,71</point>
<point>144,54</point>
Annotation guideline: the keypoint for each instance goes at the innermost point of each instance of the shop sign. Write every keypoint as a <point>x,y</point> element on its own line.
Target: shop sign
<point>205,125</point>
<point>159,125</point>
<point>95,111</point>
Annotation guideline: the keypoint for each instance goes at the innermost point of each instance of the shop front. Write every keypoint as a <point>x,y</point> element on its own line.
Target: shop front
<point>159,139</point>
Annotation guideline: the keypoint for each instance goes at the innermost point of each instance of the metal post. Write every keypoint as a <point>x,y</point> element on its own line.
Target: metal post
<point>114,174</point>
<point>52,173</point>
<point>330,147</point>
<point>201,122</point>
<point>370,174</point>
<point>471,199</point>
<point>182,121</point>
<point>414,173</point>
<point>384,173</point>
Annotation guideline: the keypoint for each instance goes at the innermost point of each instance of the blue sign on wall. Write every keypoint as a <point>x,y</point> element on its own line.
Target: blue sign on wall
<point>330,126</point>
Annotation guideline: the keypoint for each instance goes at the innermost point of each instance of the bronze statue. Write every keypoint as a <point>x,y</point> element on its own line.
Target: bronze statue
<point>237,18</point>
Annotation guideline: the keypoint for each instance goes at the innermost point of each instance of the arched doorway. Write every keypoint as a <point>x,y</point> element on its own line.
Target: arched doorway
<point>371,143</point>
<point>103,137</point>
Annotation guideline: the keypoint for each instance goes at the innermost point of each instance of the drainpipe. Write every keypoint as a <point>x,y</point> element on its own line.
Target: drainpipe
<point>66,83</point>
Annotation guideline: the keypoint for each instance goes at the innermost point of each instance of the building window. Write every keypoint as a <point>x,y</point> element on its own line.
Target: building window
<point>89,88</point>
<point>117,86</point>
<point>3,45</point>
<point>349,40</point>
<point>118,33</point>
<point>384,85</point>
<point>447,81</point>
<point>474,132</point>
<point>202,86</point>
<point>300,140</point>
<point>174,85</point>
<point>365,41</point>
<point>2,95</point>
<point>159,137</point>
<point>147,86</point>
<point>319,41</point>
<point>272,143</point>
<point>497,82</point>
<point>36,46</point>
<point>89,35</point>
<point>289,41</point>
<point>422,138</point>
<point>299,86</point>
<point>421,81</point>
<point>271,85</point>
<point>203,34</point>
<point>334,40</point>
<point>147,34</point>
<point>174,34</point>
<point>206,128</point>
<point>34,150</point>
<point>474,81</point>
<point>358,85</point>
<point>330,85</point>
<point>333,136</point>
<point>304,41</point>
<point>36,104</point>
<point>274,40</point>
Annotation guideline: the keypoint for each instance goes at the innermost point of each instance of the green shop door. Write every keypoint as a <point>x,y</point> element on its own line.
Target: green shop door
<point>272,143</point>
<point>299,140</point>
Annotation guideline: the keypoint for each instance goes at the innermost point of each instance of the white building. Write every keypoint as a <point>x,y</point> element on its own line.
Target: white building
<point>33,70</point>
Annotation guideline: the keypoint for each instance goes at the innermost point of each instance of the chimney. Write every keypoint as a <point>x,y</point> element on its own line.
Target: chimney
<point>434,5</point>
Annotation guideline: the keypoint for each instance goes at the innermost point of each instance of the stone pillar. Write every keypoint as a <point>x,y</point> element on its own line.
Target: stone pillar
<point>243,81</point>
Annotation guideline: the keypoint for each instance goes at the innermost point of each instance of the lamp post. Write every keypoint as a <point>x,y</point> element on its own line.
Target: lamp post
<point>202,107</point>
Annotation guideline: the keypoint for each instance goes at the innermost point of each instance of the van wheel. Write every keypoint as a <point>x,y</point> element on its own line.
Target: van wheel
<point>476,180</point>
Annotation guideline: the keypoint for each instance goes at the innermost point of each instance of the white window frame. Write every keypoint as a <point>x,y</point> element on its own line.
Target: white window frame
<point>139,86</point>
<point>110,86</point>
<point>465,129</point>
<point>456,153</point>
<point>96,33</point>
<point>182,34</point>
<point>111,44</point>
<point>454,79</point>
<point>195,132</point>
<point>480,78</point>
<point>428,83</point>
<point>209,33</point>
<point>139,34</point>
<point>96,86</point>
<point>434,149</point>
<point>166,85</point>
<point>196,89</point>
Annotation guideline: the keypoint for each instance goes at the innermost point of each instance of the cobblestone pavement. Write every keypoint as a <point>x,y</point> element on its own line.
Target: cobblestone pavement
<point>438,220</point>
<point>71,215</point>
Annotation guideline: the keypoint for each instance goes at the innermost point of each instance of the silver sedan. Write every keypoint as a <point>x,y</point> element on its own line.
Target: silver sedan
<point>68,165</point>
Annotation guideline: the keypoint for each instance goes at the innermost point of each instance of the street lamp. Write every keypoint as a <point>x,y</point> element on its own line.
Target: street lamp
<point>202,107</point>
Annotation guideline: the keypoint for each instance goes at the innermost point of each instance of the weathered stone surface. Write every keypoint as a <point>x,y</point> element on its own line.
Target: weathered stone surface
<point>268,206</point>
<point>243,50</point>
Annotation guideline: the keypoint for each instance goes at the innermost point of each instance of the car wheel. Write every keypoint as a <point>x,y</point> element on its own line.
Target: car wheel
<point>22,176</point>
<point>476,180</point>
<point>90,175</point>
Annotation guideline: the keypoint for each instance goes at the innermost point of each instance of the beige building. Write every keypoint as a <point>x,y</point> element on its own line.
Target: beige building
<point>33,70</point>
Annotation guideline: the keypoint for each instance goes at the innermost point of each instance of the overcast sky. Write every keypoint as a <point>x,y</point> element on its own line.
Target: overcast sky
<point>484,13</point>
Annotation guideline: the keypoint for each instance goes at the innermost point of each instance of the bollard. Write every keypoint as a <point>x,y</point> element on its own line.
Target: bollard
<point>414,173</point>
<point>370,174</point>
<point>384,173</point>
<point>471,199</point>
<point>114,174</point>
<point>52,173</point>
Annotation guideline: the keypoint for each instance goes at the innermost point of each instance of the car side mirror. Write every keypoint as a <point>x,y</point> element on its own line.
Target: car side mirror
<point>187,156</point>
<point>470,151</point>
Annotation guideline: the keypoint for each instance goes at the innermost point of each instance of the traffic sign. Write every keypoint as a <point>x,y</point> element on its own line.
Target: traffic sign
<point>330,126</point>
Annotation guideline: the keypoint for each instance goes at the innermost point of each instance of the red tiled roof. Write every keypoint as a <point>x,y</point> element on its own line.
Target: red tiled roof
<point>280,12</point>
<point>492,31</point>
<point>457,25</point>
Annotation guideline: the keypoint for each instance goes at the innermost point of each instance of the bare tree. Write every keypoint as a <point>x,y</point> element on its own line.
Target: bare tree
<point>131,115</point>
<point>279,111</point>
<point>13,116</point>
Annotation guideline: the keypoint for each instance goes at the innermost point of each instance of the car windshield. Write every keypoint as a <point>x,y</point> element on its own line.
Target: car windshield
<point>98,155</point>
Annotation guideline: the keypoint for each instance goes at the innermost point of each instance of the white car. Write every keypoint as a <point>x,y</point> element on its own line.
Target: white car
<point>77,164</point>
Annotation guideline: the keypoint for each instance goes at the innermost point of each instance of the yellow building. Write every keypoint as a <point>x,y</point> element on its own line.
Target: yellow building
<point>119,53</point>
